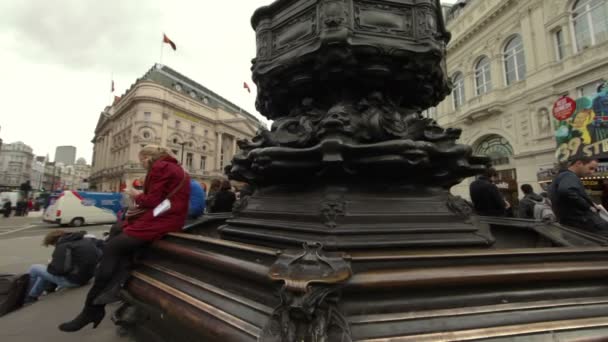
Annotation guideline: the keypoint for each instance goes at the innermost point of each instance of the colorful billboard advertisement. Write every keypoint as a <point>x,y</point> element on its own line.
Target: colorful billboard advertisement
<point>582,126</point>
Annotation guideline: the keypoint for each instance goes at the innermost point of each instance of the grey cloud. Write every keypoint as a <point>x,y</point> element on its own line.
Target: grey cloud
<point>82,34</point>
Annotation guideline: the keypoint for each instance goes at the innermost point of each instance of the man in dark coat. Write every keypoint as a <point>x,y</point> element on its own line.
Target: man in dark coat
<point>485,196</point>
<point>7,207</point>
<point>526,205</point>
<point>571,203</point>
<point>72,264</point>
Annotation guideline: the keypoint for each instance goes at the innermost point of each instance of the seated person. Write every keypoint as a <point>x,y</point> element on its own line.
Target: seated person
<point>196,206</point>
<point>160,209</point>
<point>224,199</point>
<point>72,264</point>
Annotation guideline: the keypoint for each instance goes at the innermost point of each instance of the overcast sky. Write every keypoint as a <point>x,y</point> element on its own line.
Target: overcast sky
<point>60,56</point>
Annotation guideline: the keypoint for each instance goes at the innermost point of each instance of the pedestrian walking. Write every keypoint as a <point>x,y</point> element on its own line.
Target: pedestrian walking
<point>487,199</point>
<point>571,203</point>
<point>7,208</point>
<point>530,200</point>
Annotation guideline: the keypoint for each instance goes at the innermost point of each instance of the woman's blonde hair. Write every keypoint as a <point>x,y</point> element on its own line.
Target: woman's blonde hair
<point>156,152</point>
<point>52,237</point>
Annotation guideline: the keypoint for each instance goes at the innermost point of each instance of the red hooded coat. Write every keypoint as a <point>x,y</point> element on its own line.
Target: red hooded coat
<point>164,176</point>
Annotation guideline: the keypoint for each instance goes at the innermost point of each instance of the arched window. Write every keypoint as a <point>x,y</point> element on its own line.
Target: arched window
<point>515,60</point>
<point>458,93</point>
<point>496,147</point>
<point>590,22</point>
<point>483,76</point>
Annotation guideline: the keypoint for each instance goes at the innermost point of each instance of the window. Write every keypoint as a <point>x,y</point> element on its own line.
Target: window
<point>515,64</point>
<point>146,135</point>
<point>559,45</point>
<point>147,116</point>
<point>497,148</point>
<point>206,132</point>
<point>590,22</point>
<point>588,89</point>
<point>174,152</point>
<point>203,163</point>
<point>175,140</point>
<point>205,100</point>
<point>177,124</point>
<point>192,128</point>
<point>458,93</point>
<point>189,158</point>
<point>204,148</point>
<point>483,79</point>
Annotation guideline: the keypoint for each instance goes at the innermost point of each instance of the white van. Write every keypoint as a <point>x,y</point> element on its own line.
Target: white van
<point>78,207</point>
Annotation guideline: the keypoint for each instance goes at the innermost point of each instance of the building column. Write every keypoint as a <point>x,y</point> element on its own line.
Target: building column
<point>164,133</point>
<point>234,147</point>
<point>218,151</point>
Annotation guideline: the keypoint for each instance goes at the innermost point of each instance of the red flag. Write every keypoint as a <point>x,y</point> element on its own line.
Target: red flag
<point>169,41</point>
<point>246,86</point>
<point>112,86</point>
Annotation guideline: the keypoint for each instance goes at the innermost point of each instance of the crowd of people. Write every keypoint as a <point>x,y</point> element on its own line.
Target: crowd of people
<point>22,207</point>
<point>566,201</point>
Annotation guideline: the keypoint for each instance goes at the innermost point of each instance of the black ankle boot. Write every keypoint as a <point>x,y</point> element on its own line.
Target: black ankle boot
<point>88,315</point>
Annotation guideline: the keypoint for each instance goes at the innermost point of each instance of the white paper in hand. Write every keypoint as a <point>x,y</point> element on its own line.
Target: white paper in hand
<point>162,208</point>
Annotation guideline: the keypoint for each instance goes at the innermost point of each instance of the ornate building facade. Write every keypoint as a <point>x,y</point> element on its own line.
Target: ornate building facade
<point>168,109</point>
<point>510,60</point>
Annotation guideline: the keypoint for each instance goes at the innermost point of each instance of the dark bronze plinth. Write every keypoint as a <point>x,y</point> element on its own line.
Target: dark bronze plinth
<point>351,234</point>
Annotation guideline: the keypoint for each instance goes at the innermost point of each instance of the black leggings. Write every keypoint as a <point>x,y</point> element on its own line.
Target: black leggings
<point>117,254</point>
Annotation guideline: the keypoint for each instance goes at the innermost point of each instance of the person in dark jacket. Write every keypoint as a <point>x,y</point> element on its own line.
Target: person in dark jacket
<point>72,264</point>
<point>485,196</point>
<point>224,199</point>
<point>571,203</point>
<point>526,205</point>
<point>7,207</point>
<point>160,209</point>
<point>214,188</point>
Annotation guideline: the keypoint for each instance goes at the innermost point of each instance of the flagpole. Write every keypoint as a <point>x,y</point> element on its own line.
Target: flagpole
<point>112,85</point>
<point>162,48</point>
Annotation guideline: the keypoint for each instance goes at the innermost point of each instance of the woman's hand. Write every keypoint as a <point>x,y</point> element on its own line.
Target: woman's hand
<point>133,193</point>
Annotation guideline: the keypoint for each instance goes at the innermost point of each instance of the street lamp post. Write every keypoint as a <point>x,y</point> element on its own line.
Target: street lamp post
<point>182,158</point>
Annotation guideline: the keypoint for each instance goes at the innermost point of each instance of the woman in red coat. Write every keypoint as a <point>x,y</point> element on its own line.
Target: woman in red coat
<point>151,220</point>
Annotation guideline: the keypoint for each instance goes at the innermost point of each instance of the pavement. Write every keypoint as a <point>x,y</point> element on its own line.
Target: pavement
<point>20,247</point>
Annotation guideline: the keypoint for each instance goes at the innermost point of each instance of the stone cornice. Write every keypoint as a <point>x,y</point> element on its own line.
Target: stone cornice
<point>478,26</point>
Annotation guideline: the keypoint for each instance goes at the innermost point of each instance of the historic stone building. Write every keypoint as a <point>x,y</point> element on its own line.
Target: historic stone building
<point>75,176</point>
<point>166,108</point>
<point>510,60</point>
<point>15,164</point>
